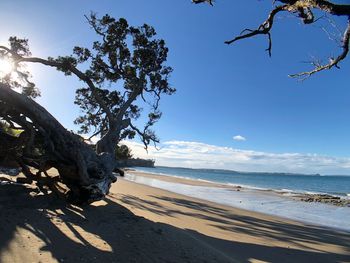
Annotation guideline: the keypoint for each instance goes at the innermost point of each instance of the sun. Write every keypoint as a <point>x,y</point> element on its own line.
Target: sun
<point>5,66</point>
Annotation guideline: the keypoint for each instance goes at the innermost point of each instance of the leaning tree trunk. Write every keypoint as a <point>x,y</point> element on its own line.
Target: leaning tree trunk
<point>88,175</point>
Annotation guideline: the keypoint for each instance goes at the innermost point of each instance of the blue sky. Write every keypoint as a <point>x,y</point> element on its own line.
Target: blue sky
<point>222,91</point>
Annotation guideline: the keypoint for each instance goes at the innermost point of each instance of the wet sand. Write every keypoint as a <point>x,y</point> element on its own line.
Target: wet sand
<point>138,223</point>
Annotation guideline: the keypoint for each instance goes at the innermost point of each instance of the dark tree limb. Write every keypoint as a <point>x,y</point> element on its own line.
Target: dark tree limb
<point>76,72</point>
<point>107,106</point>
<point>145,137</point>
<point>305,11</point>
<point>86,174</point>
<point>333,62</point>
<point>263,29</point>
<point>17,59</point>
<point>203,1</point>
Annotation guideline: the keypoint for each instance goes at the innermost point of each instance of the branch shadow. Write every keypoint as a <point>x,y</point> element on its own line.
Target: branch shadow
<point>106,233</point>
<point>111,233</point>
<point>301,235</point>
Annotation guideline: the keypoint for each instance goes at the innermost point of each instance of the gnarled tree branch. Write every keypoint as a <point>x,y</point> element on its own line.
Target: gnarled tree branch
<point>263,29</point>
<point>333,62</point>
<point>304,10</point>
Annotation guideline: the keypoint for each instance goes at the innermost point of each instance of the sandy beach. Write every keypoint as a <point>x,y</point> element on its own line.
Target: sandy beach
<point>139,223</point>
<point>194,131</point>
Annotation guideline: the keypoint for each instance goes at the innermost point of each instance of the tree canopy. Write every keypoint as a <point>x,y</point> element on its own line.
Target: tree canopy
<point>122,152</point>
<point>125,67</point>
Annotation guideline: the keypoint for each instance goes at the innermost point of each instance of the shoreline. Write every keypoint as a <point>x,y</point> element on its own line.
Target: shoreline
<point>306,196</point>
<point>140,223</point>
<point>256,200</point>
<point>257,234</point>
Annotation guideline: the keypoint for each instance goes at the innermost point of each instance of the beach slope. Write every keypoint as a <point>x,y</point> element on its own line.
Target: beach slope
<point>138,223</point>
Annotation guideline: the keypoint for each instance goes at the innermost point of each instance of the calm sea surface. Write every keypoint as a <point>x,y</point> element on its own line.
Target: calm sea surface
<point>330,184</point>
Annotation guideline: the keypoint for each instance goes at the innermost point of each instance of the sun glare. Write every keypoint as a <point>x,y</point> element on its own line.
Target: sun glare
<point>5,66</point>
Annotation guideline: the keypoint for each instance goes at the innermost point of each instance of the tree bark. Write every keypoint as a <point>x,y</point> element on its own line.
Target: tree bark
<point>88,175</point>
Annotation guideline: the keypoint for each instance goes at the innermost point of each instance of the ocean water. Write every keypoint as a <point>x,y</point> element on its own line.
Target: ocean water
<point>268,202</point>
<point>298,183</point>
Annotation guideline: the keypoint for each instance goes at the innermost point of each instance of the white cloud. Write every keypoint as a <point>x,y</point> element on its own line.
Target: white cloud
<point>239,138</point>
<point>201,155</point>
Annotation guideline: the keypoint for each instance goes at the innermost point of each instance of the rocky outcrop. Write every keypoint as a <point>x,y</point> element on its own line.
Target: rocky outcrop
<point>324,198</point>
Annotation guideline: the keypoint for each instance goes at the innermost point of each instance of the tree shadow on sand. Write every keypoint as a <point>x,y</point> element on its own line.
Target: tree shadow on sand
<point>278,230</point>
<point>111,233</point>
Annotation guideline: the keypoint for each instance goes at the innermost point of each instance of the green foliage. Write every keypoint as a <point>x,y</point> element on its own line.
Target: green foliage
<point>122,152</point>
<point>124,71</point>
<point>18,47</point>
<point>127,63</point>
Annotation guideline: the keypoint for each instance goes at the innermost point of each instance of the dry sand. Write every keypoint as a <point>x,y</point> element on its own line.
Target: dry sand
<point>138,223</point>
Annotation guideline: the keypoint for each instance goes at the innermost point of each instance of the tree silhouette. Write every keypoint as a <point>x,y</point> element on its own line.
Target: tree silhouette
<point>124,68</point>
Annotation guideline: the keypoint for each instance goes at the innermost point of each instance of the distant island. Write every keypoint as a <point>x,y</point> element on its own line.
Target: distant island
<point>241,172</point>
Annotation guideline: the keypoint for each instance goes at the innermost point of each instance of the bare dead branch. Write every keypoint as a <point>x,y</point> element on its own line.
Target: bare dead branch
<point>306,15</point>
<point>333,62</point>
<point>263,29</point>
<point>305,11</point>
